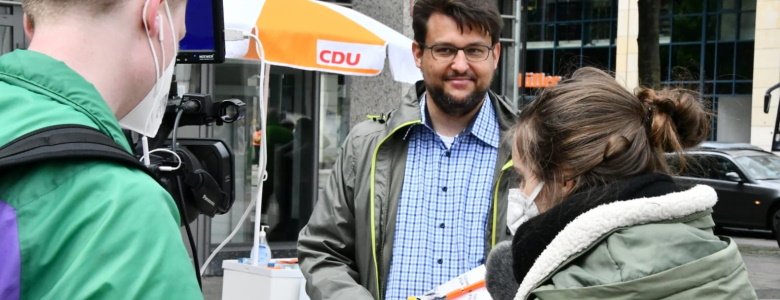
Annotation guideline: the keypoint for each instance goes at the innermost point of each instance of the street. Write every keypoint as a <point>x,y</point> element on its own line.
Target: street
<point>762,257</point>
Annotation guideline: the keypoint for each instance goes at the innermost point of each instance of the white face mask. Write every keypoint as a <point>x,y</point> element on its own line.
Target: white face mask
<point>147,116</point>
<point>521,208</point>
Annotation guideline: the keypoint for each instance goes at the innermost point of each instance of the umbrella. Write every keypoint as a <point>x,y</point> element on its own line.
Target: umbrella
<point>321,36</point>
<point>317,36</point>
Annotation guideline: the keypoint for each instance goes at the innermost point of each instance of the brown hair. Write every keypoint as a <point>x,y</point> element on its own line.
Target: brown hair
<point>474,14</point>
<point>590,130</point>
<point>41,9</point>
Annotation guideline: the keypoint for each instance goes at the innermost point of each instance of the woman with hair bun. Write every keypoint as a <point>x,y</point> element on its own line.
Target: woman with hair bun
<point>611,223</point>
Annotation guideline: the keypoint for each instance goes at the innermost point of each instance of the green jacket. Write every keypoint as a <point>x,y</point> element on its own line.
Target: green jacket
<point>646,248</point>
<point>345,249</point>
<point>80,229</point>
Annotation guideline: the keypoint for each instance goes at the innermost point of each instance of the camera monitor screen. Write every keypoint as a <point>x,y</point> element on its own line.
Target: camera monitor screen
<point>205,39</point>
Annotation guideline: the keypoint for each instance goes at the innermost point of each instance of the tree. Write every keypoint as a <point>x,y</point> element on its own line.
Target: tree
<point>647,42</point>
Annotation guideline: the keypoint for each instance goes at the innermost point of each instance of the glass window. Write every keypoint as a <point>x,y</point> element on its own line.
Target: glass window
<point>570,35</point>
<point>724,88</point>
<point>291,153</point>
<point>685,60</point>
<point>6,10</point>
<point>729,4</point>
<point>748,4</point>
<point>709,88</point>
<point>664,29</point>
<point>541,11</point>
<point>728,27</point>
<point>613,57</point>
<point>596,57</point>
<point>567,60</point>
<point>709,61</point>
<point>597,34</point>
<point>744,57</point>
<point>569,10</point>
<point>565,35</point>
<point>747,26</point>
<point>232,79</point>
<point>334,118</point>
<point>598,9</point>
<point>693,166</point>
<point>6,39</point>
<point>541,33</point>
<point>725,63</point>
<point>686,29</point>
<point>712,5</point>
<point>539,61</point>
<point>712,28</point>
<point>761,166</point>
<point>724,166</point>
<point>664,57</point>
<point>710,166</point>
<point>743,88</point>
<point>666,7</point>
<point>688,7</point>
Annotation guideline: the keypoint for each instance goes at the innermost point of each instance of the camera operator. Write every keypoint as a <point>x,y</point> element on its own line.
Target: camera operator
<point>76,229</point>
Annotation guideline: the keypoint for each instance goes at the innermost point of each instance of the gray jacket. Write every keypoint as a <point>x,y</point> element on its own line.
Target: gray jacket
<point>346,247</point>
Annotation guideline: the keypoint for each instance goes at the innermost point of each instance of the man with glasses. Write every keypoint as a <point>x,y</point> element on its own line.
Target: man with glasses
<point>418,196</point>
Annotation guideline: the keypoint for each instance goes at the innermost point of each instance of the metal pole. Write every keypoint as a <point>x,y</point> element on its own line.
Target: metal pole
<point>524,50</point>
<point>517,45</point>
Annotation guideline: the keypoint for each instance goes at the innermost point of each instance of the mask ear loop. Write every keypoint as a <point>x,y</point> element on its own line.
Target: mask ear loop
<point>144,141</point>
<point>160,91</point>
<point>537,190</point>
<point>151,45</point>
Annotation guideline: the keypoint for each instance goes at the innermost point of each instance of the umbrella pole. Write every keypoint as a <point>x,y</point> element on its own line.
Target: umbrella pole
<point>262,162</point>
<point>261,171</point>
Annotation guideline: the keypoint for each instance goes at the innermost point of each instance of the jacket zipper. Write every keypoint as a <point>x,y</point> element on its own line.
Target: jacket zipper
<point>371,205</point>
<point>495,202</point>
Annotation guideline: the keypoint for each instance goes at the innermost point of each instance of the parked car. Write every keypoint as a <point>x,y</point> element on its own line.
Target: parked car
<point>746,178</point>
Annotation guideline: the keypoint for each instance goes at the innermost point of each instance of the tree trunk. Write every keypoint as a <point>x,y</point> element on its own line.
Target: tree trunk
<point>647,41</point>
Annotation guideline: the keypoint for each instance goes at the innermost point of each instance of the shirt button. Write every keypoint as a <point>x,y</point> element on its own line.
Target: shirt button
<point>448,154</point>
<point>444,188</point>
<point>441,225</point>
<point>440,261</point>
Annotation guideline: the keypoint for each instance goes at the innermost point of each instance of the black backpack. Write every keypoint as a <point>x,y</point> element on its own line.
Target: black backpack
<point>63,142</point>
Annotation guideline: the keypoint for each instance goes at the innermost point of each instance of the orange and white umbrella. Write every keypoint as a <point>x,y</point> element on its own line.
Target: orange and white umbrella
<point>321,36</point>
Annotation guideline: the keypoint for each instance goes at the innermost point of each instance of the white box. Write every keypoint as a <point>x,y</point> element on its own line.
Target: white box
<point>243,282</point>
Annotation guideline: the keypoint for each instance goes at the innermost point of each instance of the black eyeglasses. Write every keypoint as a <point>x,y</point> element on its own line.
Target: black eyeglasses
<point>474,53</point>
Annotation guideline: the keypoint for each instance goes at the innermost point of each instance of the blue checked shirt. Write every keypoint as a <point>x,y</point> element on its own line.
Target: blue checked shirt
<point>444,205</point>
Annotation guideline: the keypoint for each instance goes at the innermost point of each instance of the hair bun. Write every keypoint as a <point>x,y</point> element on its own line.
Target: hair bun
<point>678,118</point>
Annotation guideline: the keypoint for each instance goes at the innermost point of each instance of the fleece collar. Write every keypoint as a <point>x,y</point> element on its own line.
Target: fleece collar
<point>589,226</point>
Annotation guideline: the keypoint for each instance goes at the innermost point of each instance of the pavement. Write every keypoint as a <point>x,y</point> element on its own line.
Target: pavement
<point>762,258</point>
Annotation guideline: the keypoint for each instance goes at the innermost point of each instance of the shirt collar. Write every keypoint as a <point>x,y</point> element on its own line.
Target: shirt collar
<point>484,127</point>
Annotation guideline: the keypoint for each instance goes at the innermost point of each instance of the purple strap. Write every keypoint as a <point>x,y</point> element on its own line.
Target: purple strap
<point>10,256</point>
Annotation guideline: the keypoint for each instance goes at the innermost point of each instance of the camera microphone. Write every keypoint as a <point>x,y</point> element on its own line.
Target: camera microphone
<point>190,106</point>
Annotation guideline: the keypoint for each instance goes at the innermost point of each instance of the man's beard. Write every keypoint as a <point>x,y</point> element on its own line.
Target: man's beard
<point>452,107</point>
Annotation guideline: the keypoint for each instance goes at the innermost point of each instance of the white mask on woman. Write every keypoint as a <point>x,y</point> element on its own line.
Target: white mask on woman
<point>521,207</point>
<point>147,116</point>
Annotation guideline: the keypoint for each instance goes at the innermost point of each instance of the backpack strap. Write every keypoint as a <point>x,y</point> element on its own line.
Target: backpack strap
<point>63,142</point>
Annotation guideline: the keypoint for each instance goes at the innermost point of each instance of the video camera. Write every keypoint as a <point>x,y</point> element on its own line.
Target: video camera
<point>200,174</point>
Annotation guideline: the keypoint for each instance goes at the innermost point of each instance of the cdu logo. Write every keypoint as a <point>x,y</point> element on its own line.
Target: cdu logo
<point>338,57</point>
<point>350,55</point>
